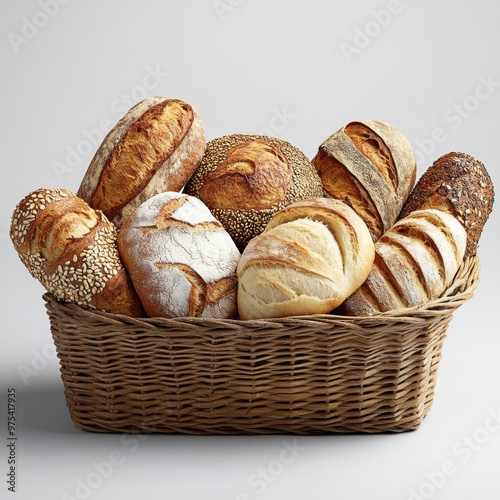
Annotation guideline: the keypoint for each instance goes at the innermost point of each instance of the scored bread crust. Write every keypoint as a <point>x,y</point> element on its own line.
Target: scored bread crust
<point>154,148</point>
<point>280,274</point>
<point>370,166</point>
<point>180,258</point>
<point>414,263</point>
<point>72,251</point>
<point>460,185</point>
<point>246,179</point>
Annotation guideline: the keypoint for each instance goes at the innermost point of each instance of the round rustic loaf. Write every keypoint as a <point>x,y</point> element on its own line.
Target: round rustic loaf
<point>370,166</point>
<point>312,255</point>
<point>72,250</point>
<point>414,263</point>
<point>154,148</point>
<point>460,185</point>
<point>180,258</point>
<point>245,179</point>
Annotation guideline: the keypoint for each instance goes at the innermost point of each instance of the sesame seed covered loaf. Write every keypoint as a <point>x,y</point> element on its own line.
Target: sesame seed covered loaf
<point>72,251</point>
<point>246,179</point>
<point>460,185</point>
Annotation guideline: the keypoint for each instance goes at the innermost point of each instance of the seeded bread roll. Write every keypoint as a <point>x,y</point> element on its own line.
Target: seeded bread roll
<point>154,148</point>
<point>72,250</point>
<point>370,166</point>
<point>180,258</point>
<point>460,185</point>
<point>246,179</point>
<point>312,255</point>
<point>414,262</point>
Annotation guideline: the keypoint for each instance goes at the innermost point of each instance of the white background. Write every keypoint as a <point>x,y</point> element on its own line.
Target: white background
<point>299,70</point>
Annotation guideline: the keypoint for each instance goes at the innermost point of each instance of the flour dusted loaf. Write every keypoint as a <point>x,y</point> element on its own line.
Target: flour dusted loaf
<point>154,148</point>
<point>180,258</point>
<point>460,185</point>
<point>72,250</point>
<point>246,179</point>
<point>414,263</point>
<point>312,255</point>
<point>370,166</point>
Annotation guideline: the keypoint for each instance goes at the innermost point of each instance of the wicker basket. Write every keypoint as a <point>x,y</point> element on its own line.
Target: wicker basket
<point>302,375</point>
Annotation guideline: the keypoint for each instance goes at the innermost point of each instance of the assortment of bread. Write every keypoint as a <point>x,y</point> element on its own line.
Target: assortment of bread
<point>245,226</point>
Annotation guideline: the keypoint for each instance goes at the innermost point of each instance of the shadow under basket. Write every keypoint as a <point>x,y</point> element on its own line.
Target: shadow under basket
<point>302,375</point>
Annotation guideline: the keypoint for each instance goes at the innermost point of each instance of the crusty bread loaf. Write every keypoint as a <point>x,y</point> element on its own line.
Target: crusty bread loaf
<point>154,148</point>
<point>370,166</point>
<point>414,262</point>
<point>460,185</point>
<point>72,250</point>
<point>180,258</point>
<point>312,255</point>
<point>246,179</point>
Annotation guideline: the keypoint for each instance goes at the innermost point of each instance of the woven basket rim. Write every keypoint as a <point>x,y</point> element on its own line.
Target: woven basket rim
<point>459,291</point>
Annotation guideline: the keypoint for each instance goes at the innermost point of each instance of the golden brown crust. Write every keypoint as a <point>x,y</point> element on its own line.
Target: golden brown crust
<point>339,184</point>
<point>72,250</point>
<point>460,185</point>
<point>312,255</point>
<point>370,166</point>
<point>246,179</point>
<point>154,148</point>
<point>254,173</point>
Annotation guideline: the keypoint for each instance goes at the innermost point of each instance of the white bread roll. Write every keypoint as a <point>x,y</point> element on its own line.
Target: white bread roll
<point>312,255</point>
<point>181,260</point>
<point>415,261</point>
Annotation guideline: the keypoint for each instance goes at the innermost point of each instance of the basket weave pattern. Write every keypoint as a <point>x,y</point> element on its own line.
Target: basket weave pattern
<point>302,375</point>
